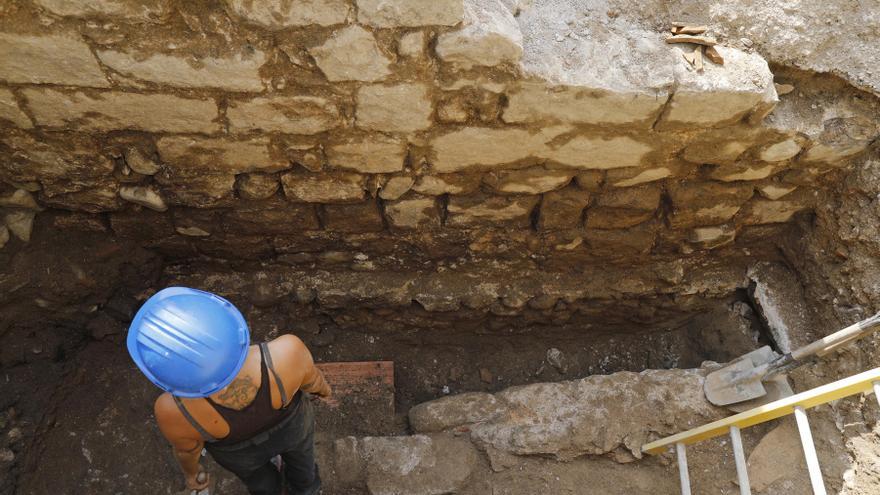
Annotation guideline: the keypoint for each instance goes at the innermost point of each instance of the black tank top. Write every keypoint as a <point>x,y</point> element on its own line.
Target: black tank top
<point>253,419</point>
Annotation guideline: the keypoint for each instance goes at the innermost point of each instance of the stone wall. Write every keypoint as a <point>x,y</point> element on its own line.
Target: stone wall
<point>408,130</point>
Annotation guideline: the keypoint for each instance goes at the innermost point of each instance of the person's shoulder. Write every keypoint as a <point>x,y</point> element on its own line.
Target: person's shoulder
<point>165,409</point>
<point>288,348</point>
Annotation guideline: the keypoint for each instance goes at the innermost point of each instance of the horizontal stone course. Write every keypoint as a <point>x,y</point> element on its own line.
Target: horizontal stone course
<point>116,110</point>
<point>374,154</point>
<point>49,59</point>
<point>132,10</point>
<point>195,156</point>
<point>287,114</point>
<point>280,14</point>
<point>534,102</point>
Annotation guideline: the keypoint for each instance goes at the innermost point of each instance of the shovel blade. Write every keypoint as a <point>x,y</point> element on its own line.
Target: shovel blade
<point>728,386</point>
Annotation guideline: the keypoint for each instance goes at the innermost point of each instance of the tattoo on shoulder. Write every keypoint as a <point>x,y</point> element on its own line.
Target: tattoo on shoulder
<point>239,393</point>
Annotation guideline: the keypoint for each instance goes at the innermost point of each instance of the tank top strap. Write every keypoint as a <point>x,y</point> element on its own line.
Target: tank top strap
<point>267,358</point>
<point>195,424</point>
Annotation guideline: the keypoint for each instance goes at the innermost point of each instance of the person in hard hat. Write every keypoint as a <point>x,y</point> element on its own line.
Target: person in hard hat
<point>243,403</point>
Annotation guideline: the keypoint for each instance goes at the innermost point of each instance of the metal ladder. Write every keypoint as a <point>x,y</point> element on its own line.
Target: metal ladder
<point>796,404</point>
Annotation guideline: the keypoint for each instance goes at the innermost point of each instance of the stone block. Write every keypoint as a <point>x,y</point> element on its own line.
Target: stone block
<point>604,217</point>
<point>195,156</point>
<point>563,209</point>
<point>719,152</point>
<point>399,108</point>
<point>356,217</point>
<point>453,411</point>
<point>10,111</point>
<point>281,14</point>
<point>20,223</point>
<point>236,72</point>
<point>143,195</point>
<point>410,13</point>
<point>417,464</point>
<point>621,242</point>
<point>482,209</point>
<point>719,95</point>
<point>413,212</point>
<point>274,216</point>
<point>435,185</point>
<point>130,10</point>
<point>590,180</point>
<point>99,198</point>
<point>712,237</point>
<point>536,102</point>
<point>743,171</point>
<point>490,36</point>
<point>351,54</point>
<point>783,150</point>
<point>287,114</point>
<point>257,186</point>
<point>643,198</point>
<point>395,187</point>
<point>116,110</point>
<point>598,153</point>
<point>139,161</point>
<point>49,59</point>
<point>324,188</point>
<point>198,191</point>
<point>67,162</point>
<point>761,211</point>
<point>374,154</point>
<point>775,190</point>
<point>412,45</point>
<point>535,180</point>
<point>629,177</point>
<point>706,203</point>
<point>482,147</point>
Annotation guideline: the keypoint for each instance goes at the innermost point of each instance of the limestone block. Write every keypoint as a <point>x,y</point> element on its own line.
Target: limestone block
<point>20,223</point>
<point>132,10</point>
<point>780,151</point>
<point>324,188</point>
<point>712,237</point>
<point>643,198</point>
<point>714,152</point>
<point>603,217</point>
<point>144,196</point>
<point>373,154</point>
<point>720,94</point>
<point>9,110</point>
<point>743,171</point>
<point>288,114</point>
<point>621,242</point>
<point>410,13</point>
<point>100,198</point>
<point>115,110</point>
<point>774,190</point>
<point>71,161</point>
<point>563,209</point>
<point>480,146</point>
<point>706,203</point>
<point>536,102</point>
<point>535,180</point>
<point>834,152</point>
<point>412,45</point>
<point>396,186</point>
<point>762,211</point>
<point>19,199</point>
<point>435,185</point>
<point>490,37</point>
<point>590,180</point>
<point>257,186</point>
<point>450,412</point>
<point>400,108</point>
<point>272,216</point>
<point>598,153</point>
<point>138,161</point>
<point>237,72</point>
<point>488,210</point>
<point>413,212</point>
<point>629,177</point>
<point>50,59</point>
<point>280,14</point>
<point>356,217</point>
<point>351,54</point>
<point>198,191</point>
<point>191,155</point>
<point>417,464</point>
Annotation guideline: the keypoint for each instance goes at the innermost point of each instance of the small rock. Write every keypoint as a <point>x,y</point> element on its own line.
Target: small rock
<point>485,375</point>
<point>556,359</point>
<point>6,455</point>
<point>144,196</point>
<point>139,162</point>
<point>19,199</point>
<point>192,231</point>
<point>21,224</point>
<point>14,435</point>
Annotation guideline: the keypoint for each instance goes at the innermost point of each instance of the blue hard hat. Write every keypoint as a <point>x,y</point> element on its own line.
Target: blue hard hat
<point>188,342</point>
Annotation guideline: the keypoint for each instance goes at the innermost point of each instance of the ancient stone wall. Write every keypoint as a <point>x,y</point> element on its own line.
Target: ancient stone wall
<point>404,131</point>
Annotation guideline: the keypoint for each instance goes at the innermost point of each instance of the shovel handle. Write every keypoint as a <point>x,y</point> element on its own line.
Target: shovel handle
<point>825,345</point>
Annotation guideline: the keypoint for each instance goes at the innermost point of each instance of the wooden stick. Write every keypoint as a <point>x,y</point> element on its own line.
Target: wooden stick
<point>686,38</point>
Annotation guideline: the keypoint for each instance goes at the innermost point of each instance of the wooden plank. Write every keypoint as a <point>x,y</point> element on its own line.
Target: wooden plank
<point>367,379</point>
<point>857,384</point>
<point>686,38</point>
